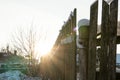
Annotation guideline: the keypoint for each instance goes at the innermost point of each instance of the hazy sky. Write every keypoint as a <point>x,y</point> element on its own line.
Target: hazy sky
<point>47,14</point>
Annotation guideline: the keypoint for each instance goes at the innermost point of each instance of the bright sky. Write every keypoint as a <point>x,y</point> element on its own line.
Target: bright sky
<point>47,14</point>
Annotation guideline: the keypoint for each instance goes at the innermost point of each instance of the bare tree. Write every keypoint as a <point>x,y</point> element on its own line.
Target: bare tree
<point>25,41</point>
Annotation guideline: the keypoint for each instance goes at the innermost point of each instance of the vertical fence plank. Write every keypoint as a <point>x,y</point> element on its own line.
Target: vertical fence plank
<point>112,39</point>
<point>104,41</point>
<point>74,44</point>
<point>92,42</point>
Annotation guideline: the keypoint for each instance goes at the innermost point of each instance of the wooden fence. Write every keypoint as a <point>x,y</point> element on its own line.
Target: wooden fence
<point>67,49</point>
<point>62,65</point>
<point>107,42</point>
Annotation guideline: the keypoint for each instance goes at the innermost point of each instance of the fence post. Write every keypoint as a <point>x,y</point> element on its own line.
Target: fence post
<point>104,41</point>
<point>74,19</point>
<point>92,41</point>
<point>112,39</point>
<point>82,43</point>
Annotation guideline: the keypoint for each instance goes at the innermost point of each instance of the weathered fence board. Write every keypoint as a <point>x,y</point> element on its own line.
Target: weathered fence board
<point>104,41</point>
<point>74,19</point>
<point>92,42</point>
<point>112,40</point>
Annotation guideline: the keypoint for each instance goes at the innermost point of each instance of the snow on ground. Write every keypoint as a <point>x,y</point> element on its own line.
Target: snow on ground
<point>16,75</point>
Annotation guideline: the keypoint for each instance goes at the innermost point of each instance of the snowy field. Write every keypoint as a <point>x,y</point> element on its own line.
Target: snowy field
<point>16,75</point>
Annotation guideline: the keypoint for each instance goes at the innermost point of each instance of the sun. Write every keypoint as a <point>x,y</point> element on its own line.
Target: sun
<point>42,49</point>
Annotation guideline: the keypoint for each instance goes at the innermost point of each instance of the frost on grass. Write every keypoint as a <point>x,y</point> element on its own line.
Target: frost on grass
<point>16,75</point>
